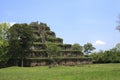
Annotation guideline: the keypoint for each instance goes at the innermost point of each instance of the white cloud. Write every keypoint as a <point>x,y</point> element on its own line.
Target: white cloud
<point>99,43</point>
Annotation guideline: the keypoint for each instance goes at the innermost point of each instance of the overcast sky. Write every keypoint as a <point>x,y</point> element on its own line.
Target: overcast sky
<point>76,21</point>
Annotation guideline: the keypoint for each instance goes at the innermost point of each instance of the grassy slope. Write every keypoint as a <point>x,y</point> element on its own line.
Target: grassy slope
<point>85,72</point>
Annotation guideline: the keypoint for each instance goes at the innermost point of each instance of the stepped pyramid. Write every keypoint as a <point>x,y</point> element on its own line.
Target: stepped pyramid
<point>39,57</point>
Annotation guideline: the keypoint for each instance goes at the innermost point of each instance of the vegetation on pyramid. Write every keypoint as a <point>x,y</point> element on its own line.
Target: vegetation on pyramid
<point>35,44</point>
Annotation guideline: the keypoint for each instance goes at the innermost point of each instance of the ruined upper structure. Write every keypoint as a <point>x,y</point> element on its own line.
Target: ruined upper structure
<point>42,35</point>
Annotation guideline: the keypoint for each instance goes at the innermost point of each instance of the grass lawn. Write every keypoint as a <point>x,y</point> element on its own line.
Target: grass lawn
<point>83,72</point>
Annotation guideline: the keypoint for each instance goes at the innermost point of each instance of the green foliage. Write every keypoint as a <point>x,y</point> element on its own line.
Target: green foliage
<point>77,47</point>
<point>4,31</point>
<point>88,48</point>
<point>3,53</point>
<point>20,38</point>
<point>50,34</point>
<point>117,46</point>
<point>53,52</point>
<point>53,49</point>
<point>20,41</point>
<point>4,43</point>
<point>43,25</point>
<point>83,72</point>
<point>109,56</point>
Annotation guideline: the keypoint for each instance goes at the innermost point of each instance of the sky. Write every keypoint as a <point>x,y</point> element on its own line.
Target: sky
<point>76,21</point>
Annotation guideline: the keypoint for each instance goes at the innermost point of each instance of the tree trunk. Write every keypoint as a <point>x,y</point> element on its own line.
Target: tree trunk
<point>22,62</point>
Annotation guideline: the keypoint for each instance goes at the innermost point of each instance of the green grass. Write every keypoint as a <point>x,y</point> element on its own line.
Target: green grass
<point>83,72</point>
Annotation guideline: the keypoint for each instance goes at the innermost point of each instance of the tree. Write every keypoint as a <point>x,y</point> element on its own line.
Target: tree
<point>4,31</point>
<point>20,40</point>
<point>108,56</point>
<point>3,53</point>
<point>117,46</point>
<point>88,48</point>
<point>77,47</point>
<point>4,43</point>
<point>53,52</point>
